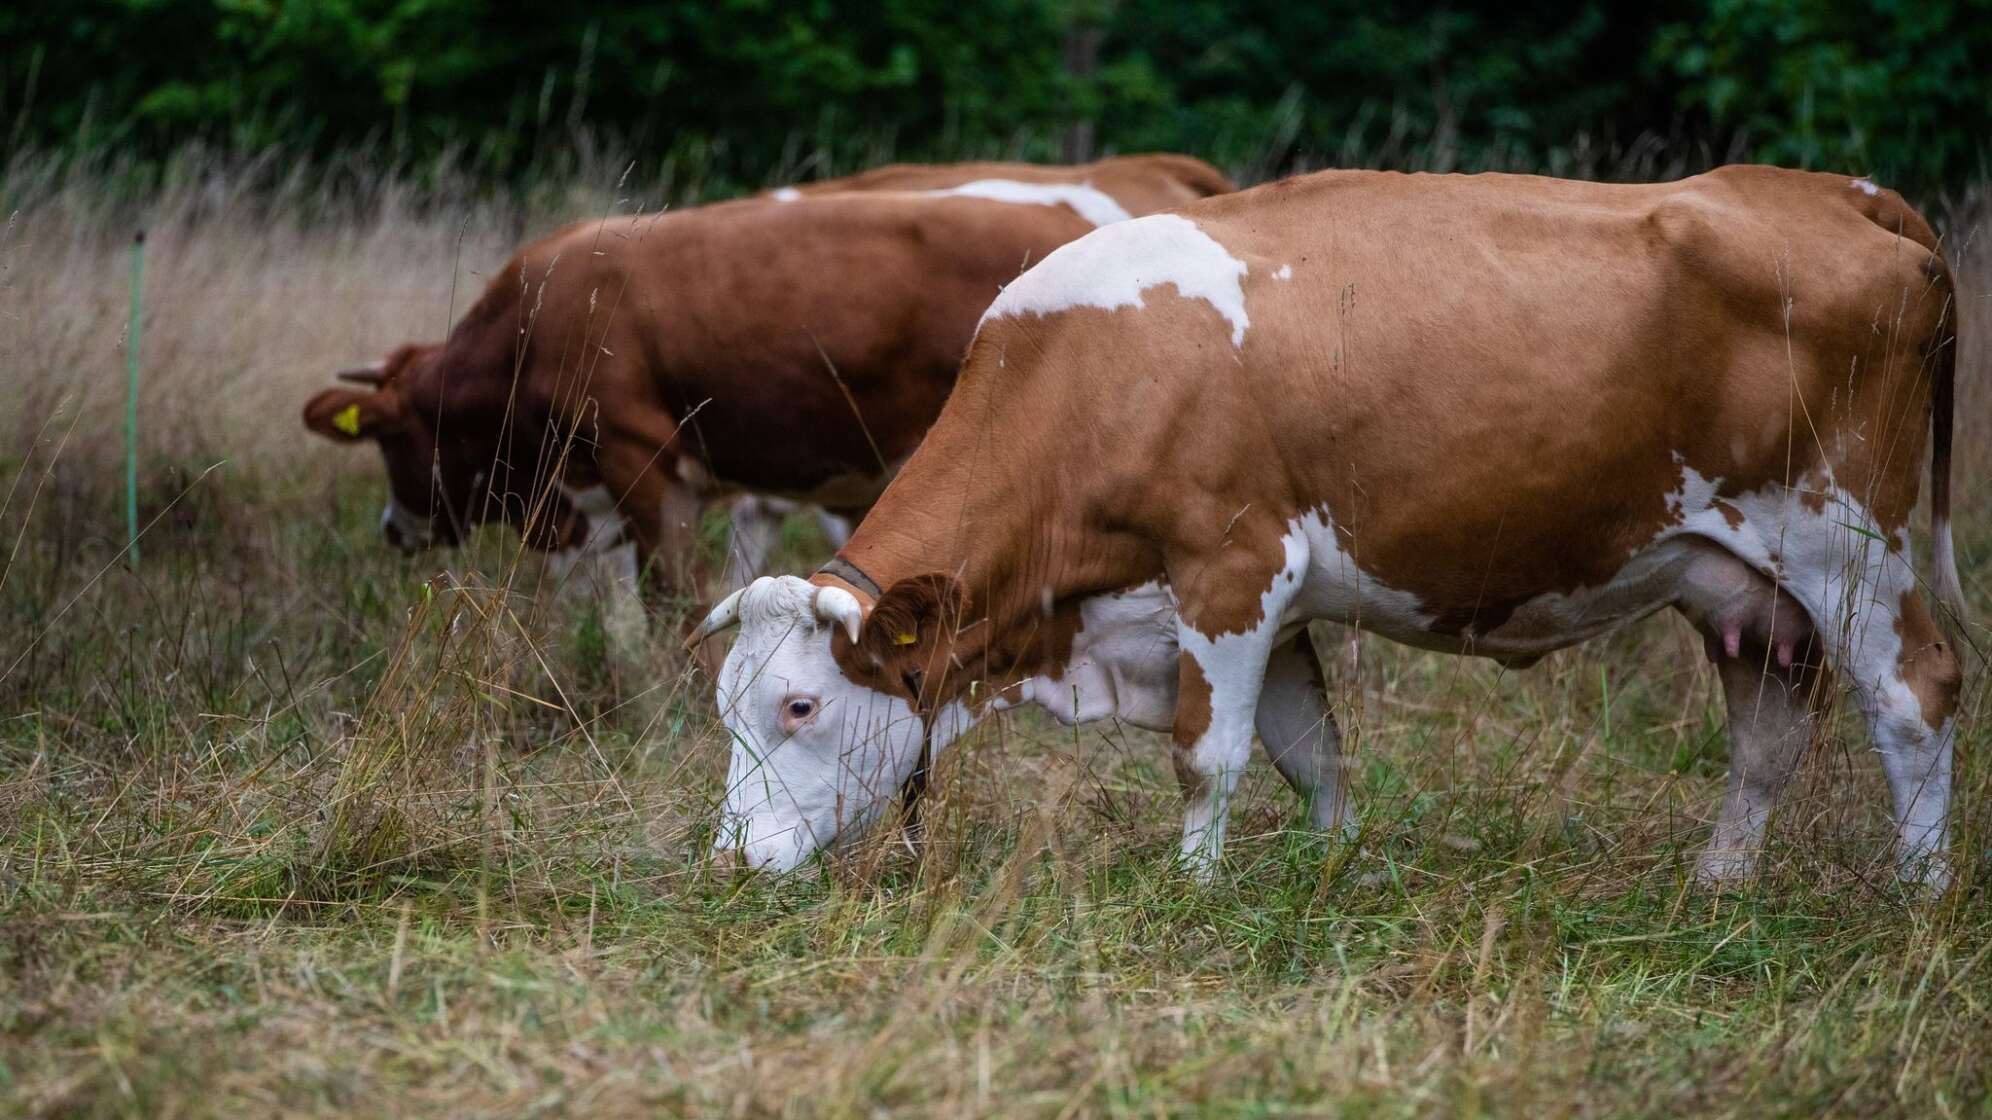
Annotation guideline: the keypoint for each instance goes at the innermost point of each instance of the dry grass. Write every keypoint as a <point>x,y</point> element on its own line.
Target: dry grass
<point>290,825</point>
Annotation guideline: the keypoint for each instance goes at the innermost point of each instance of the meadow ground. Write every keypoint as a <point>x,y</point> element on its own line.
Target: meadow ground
<point>291,825</point>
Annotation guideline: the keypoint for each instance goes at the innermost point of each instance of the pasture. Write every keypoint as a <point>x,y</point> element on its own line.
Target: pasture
<point>293,825</point>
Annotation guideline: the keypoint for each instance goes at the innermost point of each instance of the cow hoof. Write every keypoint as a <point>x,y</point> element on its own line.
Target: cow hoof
<point>1929,872</point>
<point>1199,865</point>
<point>1726,868</point>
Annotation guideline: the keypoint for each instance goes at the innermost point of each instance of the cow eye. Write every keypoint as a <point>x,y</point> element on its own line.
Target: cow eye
<point>798,709</point>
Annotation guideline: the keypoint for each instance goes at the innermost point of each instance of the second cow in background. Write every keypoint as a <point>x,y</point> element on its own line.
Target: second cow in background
<point>618,375</point>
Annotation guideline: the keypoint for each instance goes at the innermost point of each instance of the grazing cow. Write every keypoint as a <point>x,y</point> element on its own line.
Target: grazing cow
<point>803,345</point>
<point>1488,414</point>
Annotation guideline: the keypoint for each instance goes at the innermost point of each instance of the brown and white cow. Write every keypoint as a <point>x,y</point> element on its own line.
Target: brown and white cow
<point>1490,414</point>
<point>803,345</point>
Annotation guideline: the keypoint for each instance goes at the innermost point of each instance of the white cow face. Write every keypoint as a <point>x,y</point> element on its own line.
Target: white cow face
<point>816,756</point>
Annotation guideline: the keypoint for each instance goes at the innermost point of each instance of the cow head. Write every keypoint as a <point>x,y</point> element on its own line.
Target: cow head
<point>436,486</point>
<point>829,708</point>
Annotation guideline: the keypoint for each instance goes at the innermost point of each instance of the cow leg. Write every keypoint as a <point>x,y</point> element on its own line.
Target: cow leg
<point>1859,588</point>
<point>1862,588</point>
<point>1299,734</point>
<point>1772,717</point>
<point>756,531</point>
<point>1909,694</point>
<point>1219,679</point>
<point>663,513</point>
<point>1764,648</point>
<point>609,576</point>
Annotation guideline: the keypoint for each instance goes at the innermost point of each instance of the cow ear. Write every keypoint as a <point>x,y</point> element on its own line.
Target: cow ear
<point>349,415</point>
<point>911,618</point>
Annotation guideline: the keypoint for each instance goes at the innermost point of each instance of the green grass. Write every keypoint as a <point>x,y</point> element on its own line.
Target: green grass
<point>293,826</point>
<point>281,832</point>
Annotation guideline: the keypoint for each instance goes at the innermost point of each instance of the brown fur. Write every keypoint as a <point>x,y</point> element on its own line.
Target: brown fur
<point>803,346</point>
<point>904,647</point>
<point>1142,184</point>
<point>1484,380</point>
<point>1927,665</point>
<point>1192,720</point>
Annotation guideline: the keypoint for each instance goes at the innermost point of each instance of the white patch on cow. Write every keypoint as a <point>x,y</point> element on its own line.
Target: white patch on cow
<point>1234,666</point>
<point>1283,272</point>
<point>1122,666</point>
<point>693,473</point>
<point>606,526</point>
<point>605,562</point>
<point>414,529</point>
<point>1775,523</point>
<point>1084,199</point>
<point>835,529</point>
<point>1336,587</point>
<point>1111,267</point>
<point>785,194</point>
<point>1865,186</point>
<point>1838,564</point>
<point>755,530</point>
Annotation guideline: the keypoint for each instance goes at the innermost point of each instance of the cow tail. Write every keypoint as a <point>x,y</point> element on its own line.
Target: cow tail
<point>1948,587</point>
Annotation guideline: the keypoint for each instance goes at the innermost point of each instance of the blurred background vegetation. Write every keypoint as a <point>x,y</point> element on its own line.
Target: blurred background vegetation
<point>751,91</point>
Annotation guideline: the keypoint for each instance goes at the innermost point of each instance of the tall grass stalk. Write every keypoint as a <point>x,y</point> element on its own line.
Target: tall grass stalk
<point>291,824</point>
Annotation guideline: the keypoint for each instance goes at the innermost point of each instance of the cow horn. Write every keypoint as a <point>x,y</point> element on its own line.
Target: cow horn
<point>726,614</point>
<point>834,604</point>
<point>373,374</point>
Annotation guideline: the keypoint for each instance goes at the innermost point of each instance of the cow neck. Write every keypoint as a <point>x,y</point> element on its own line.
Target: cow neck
<point>1002,517</point>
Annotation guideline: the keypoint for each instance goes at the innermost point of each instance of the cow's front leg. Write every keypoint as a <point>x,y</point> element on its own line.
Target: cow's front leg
<point>1228,621</point>
<point>663,512</point>
<point>663,516</point>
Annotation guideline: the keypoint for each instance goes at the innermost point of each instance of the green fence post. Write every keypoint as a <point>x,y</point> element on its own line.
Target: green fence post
<point>131,394</point>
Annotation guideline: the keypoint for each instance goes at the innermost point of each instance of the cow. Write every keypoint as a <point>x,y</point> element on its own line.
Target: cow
<point>1494,415</point>
<point>617,375</point>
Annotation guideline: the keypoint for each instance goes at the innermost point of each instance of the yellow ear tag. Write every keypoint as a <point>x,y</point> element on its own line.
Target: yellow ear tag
<point>905,639</point>
<point>347,419</point>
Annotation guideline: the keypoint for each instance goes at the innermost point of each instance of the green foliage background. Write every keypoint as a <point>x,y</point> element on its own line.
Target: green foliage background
<point>1901,89</point>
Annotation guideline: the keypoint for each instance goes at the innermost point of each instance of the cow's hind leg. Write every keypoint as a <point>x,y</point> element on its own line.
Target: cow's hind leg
<point>1773,714</point>
<point>1910,694</point>
<point>1765,650</point>
<point>1299,734</point>
<point>1860,584</point>
<point>1857,585</point>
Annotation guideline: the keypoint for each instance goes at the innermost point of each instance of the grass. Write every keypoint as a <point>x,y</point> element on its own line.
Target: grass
<point>290,825</point>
